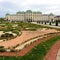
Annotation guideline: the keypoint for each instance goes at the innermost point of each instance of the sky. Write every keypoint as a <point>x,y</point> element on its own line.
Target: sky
<point>44,6</point>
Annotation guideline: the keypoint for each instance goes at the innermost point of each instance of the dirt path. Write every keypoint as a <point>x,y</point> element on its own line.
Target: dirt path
<point>52,54</point>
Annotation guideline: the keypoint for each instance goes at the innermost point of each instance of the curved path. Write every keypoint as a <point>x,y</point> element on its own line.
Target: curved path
<point>25,36</point>
<point>58,55</point>
<point>52,54</point>
<point>25,50</point>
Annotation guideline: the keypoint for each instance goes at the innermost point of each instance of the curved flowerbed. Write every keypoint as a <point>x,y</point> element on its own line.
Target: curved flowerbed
<point>24,37</point>
<point>4,36</point>
<point>38,52</point>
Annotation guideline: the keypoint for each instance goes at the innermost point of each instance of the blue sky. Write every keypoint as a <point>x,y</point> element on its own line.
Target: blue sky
<point>45,6</point>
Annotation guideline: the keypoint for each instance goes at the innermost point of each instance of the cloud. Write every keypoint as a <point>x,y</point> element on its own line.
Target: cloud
<point>46,6</point>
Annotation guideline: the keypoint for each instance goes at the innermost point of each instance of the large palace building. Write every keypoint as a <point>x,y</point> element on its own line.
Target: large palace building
<point>30,16</point>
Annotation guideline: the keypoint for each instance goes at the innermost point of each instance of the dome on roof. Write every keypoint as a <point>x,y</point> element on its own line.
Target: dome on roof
<point>7,14</point>
<point>37,12</point>
<point>51,14</point>
<point>29,11</point>
<point>19,12</point>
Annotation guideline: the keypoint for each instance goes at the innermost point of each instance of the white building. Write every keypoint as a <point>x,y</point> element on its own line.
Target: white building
<point>29,16</point>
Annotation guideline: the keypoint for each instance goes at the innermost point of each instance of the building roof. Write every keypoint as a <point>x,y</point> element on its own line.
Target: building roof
<point>58,16</point>
<point>20,12</point>
<point>29,11</point>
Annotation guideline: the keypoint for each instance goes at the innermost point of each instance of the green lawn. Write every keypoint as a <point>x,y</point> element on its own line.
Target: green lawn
<point>33,27</point>
<point>38,52</point>
<point>20,26</point>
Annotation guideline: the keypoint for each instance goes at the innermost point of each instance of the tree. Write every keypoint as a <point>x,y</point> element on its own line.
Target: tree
<point>51,14</point>
<point>2,19</point>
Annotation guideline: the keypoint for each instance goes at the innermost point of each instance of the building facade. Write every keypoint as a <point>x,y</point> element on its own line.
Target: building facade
<point>57,17</point>
<point>30,16</point>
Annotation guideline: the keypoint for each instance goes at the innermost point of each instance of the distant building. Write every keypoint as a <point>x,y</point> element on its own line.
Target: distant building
<point>30,16</point>
<point>57,17</point>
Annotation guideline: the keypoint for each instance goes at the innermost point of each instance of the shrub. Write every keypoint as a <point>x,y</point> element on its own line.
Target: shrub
<point>16,31</point>
<point>16,46</point>
<point>1,46</point>
<point>2,49</point>
<point>6,36</point>
<point>12,50</point>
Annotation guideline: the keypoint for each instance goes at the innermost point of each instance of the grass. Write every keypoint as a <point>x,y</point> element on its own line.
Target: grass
<point>50,27</point>
<point>20,26</point>
<point>38,52</point>
<point>30,26</point>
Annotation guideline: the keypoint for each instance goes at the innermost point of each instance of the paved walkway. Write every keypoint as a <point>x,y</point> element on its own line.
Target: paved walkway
<point>58,55</point>
<point>52,54</point>
<point>48,25</point>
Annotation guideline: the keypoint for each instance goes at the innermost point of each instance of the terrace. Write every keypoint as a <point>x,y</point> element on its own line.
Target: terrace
<point>25,36</point>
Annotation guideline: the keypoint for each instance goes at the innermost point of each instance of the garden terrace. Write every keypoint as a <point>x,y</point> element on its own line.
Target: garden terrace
<point>38,52</point>
<point>25,35</point>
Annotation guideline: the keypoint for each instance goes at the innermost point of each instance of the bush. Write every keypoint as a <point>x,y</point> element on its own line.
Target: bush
<point>2,50</point>
<point>12,50</point>
<point>16,31</point>
<point>16,46</point>
<point>1,46</point>
<point>6,35</point>
<point>26,45</point>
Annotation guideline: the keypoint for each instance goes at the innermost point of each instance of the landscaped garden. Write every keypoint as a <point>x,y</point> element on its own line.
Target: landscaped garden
<point>12,30</point>
<point>7,30</point>
<point>38,52</point>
